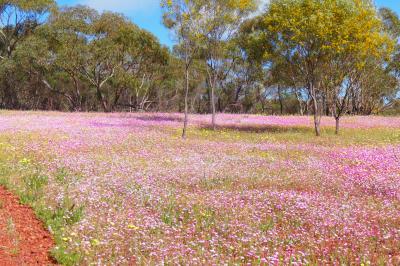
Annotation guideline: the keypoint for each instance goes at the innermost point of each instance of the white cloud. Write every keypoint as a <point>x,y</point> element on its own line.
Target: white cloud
<point>123,6</point>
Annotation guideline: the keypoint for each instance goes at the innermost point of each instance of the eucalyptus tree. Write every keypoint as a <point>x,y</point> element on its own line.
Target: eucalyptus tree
<point>143,62</point>
<point>374,91</point>
<point>18,20</point>
<point>219,21</point>
<point>310,34</point>
<point>275,75</point>
<point>66,36</point>
<point>103,54</point>
<point>239,89</point>
<point>182,16</point>
<point>207,27</point>
<point>391,22</point>
<point>364,43</point>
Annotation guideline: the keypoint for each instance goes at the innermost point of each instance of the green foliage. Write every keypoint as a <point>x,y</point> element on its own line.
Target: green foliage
<point>29,183</point>
<point>267,224</point>
<point>28,5</point>
<point>390,21</point>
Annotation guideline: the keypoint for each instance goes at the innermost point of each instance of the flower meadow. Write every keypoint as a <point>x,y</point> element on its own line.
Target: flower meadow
<point>257,191</point>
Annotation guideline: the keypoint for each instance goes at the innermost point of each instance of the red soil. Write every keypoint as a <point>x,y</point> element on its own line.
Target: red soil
<point>23,238</point>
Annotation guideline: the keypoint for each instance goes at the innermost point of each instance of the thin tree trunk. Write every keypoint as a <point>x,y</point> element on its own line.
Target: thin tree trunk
<point>337,119</point>
<point>185,122</point>
<point>317,117</point>
<point>317,122</point>
<point>280,99</point>
<point>213,108</point>
<point>78,104</point>
<point>212,98</point>
<point>105,107</point>
<point>298,98</point>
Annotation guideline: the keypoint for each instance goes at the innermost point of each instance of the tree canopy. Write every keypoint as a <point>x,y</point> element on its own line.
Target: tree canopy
<point>320,57</point>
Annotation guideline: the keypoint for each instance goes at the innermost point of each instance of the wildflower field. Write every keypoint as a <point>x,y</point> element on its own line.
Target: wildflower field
<point>123,189</point>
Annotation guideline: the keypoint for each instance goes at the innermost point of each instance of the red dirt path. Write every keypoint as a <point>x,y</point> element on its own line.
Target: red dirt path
<point>23,238</point>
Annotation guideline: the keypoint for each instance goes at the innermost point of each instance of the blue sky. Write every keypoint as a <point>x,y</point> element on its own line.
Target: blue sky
<point>147,13</point>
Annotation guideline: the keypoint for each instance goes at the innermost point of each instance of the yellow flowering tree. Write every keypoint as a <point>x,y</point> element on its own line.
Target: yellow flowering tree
<point>324,40</point>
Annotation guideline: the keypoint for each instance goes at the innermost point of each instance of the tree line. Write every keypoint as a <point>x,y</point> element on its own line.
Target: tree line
<point>319,57</point>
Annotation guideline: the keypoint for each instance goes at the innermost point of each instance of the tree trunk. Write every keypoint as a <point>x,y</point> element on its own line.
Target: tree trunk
<point>10,96</point>
<point>298,98</point>
<point>105,107</point>
<point>78,102</point>
<point>317,116</point>
<point>337,125</point>
<point>185,122</point>
<point>103,101</point>
<point>301,109</point>
<point>280,99</point>
<point>213,107</point>
<point>317,123</point>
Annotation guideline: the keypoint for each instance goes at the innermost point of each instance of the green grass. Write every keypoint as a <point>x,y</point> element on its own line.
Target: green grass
<point>24,178</point>
<point>347,136</point>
